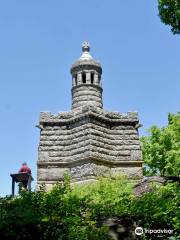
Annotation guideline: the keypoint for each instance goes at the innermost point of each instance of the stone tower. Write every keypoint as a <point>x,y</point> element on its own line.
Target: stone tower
<point>87,141</point>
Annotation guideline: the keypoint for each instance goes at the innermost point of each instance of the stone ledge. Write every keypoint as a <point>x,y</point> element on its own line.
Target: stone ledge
<point>91,159</point>
<point>45,118</point>
<point>146,185</point>
<point>86,64</point>
<point>84,86</point>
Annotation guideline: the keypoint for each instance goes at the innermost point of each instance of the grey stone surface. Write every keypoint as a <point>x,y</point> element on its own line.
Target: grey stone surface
<point>146,185</point>
<point>88,141</point>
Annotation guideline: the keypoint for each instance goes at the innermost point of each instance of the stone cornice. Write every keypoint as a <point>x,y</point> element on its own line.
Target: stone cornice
<point>89,111</point>
<point>81,65</point>
<point>87,85</point>
<point>93,160</point>
<point>48,118</point>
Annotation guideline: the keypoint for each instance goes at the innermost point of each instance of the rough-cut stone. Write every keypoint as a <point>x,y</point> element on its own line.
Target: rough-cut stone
<point>146,185</point>
<point>88,141</point>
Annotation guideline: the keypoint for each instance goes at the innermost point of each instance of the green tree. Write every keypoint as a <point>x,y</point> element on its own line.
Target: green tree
<point>169,12</point>
<point>78,212</point>
<point>161,149</point>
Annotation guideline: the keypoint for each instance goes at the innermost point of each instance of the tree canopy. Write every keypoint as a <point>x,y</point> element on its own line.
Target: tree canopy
<point>161,149</point>
<point>78,213</point>
<point>169,12</point>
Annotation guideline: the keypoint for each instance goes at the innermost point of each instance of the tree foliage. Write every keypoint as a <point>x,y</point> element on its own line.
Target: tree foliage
<point>62,213</point>
<point>67,213</point>
<point>169,12</point>
<point>161,149</point>
<point>159,209</point>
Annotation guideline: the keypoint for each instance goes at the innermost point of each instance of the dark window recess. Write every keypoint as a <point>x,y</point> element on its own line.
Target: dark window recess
<point>92,78</point>
<point>75,79</point>
<point>99,79</point>
<point>83,78</point>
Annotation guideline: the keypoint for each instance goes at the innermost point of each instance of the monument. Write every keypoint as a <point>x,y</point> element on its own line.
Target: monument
<point>88,141</point>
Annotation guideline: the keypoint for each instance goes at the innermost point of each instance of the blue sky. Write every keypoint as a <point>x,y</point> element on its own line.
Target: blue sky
<point>40,39</point>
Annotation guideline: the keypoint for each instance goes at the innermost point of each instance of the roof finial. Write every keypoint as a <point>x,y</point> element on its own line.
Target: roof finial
<point>85,46</point>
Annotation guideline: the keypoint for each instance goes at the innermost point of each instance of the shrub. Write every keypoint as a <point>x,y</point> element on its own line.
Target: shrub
<point>78,212</point>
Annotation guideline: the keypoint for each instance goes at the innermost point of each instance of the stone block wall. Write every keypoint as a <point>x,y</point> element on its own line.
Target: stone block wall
<point>88,143</point>
<point>83,94</point>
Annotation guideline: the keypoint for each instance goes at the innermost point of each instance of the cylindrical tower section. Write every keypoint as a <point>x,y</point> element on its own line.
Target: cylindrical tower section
<point>86,80</point>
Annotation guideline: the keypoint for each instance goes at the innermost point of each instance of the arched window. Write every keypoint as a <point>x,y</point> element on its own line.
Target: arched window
<point>83,77</point>
<point>92,78</point>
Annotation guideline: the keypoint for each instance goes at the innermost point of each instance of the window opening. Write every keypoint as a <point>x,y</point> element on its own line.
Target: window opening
<point>83,77</point>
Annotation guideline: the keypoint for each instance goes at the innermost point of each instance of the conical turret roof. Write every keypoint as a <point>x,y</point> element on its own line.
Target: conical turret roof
<point>86,59</point>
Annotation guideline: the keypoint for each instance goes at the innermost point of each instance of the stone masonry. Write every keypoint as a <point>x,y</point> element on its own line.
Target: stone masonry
<point>88,142</point>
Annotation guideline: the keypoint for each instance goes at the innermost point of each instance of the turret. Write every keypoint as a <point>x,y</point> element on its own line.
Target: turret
<point>86,80</point>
